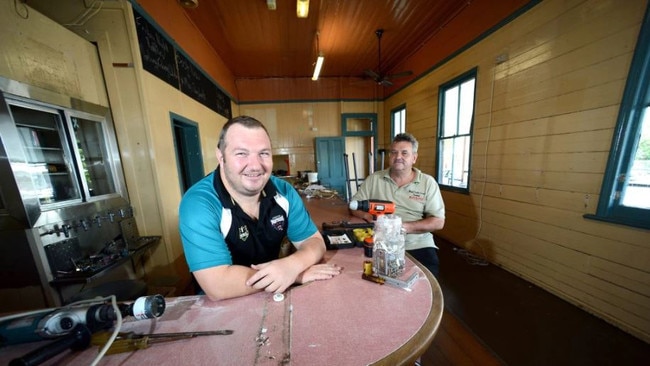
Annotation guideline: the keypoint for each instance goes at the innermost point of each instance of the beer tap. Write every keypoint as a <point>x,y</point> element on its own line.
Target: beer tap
<point>98,220</point>
<point>66,230</point>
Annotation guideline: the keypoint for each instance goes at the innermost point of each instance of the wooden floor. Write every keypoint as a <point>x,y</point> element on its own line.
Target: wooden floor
<point>455,344</point>
<point>495,318</point>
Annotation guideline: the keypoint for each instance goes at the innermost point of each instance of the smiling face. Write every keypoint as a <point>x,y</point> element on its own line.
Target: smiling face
<point>402,157</point>
<point>246,160</point>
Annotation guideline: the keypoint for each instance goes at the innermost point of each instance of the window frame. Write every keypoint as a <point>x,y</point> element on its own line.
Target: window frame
<point>455,82</point>
<point>636,98</point>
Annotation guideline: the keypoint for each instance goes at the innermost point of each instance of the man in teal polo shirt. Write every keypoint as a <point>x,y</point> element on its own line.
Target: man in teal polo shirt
<point>233,221</point>
<point>416,196</point>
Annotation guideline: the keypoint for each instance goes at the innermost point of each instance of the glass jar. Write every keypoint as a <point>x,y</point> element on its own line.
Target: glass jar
<point>389,246</point>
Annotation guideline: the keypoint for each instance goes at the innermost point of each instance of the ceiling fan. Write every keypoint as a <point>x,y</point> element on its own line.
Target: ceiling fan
<point>377,76</point>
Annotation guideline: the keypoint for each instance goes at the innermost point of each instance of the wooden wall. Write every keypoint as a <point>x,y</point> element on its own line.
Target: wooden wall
<point>294,126</point>
<point>543,128</point>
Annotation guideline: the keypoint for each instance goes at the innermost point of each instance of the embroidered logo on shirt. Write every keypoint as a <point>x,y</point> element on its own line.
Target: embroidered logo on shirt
<point>243,233</point>
<point>416,196</point>
<point>277,222</point>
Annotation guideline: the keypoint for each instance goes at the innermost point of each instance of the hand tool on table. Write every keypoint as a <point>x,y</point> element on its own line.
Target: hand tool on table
<point>374,207</point>
<point>346,225</point>
<point>128,342</point>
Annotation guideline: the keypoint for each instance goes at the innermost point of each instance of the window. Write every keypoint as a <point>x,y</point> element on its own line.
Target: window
<point>456,116</point>
<point>625,193</point>
<point>398,120</point>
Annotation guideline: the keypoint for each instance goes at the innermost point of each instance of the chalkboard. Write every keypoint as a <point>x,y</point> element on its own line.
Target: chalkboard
<point>158,54</point>
<point>161,58</point>
<point>223,104</point>
<point>194,84</point>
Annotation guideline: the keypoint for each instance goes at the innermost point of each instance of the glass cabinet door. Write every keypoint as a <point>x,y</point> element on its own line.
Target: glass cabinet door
<point>94,158</point>
<point>48,162</point>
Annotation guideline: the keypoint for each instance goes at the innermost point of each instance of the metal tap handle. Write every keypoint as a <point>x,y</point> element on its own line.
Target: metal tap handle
<point>66,230</point>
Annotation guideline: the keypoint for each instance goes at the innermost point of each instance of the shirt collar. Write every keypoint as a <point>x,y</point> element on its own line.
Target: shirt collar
<point>385,174</point>
<point>227,201</point>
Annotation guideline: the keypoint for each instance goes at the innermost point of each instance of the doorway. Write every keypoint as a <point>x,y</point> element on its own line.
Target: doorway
<point>187,144</point>
<point>360,133</point>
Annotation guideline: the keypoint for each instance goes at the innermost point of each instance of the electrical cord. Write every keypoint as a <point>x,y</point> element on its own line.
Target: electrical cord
<point>116,309</point>
<point>472,258</point>
<point>118,326</point>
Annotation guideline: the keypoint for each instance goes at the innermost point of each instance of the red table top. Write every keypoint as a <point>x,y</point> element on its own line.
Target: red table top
<point>342,321</point>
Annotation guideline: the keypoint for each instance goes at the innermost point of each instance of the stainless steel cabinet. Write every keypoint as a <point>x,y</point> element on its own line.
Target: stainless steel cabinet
<point>63,198</point>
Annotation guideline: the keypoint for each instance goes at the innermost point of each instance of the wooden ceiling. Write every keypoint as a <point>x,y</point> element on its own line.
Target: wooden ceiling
<point>260,46</point>
<point>256,42</point>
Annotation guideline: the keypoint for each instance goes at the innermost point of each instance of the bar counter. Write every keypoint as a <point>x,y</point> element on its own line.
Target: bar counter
<point>342,321</point>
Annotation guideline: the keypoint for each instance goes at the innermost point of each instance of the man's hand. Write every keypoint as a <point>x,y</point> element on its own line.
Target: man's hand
<point>319,272</point>
<point>301,266</point>
<point>275,276</point>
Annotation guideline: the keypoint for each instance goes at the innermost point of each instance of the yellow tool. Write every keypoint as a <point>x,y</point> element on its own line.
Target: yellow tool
<point>128,342</point>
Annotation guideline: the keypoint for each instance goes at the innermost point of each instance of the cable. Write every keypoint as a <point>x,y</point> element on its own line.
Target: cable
<point>487,144</point>
<point>87,15</point>
<point>472,258</point>
<point>116,309</point>
<point>25,8</point>
<point>116,331</point>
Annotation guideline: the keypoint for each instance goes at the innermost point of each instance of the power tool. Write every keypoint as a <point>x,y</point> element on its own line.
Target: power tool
<point>373,207</point>
<point>94,314</point>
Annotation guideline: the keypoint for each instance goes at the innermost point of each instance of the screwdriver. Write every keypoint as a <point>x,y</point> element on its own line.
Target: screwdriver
<point>128,342</point>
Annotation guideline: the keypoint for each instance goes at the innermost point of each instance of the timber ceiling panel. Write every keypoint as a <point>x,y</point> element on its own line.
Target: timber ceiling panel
<point>256,42</point>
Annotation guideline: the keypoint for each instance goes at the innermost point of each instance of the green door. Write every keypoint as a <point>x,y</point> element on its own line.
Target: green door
<point>188,152</point>
<point>329,163</point>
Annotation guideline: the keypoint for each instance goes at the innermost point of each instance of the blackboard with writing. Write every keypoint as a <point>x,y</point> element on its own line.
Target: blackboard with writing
<point>223,104</point>
<point>194,84</point>
<point>158,54</point>
<point>161,58</point>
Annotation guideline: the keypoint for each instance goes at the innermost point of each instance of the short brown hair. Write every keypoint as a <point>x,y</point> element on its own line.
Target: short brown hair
<point>408,138</point>
<point>245,121</point>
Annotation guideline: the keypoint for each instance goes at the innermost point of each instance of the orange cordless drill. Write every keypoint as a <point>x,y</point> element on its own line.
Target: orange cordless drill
<point>373,207</point>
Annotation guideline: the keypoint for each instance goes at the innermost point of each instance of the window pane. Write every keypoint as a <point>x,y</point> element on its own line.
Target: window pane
<point>455,164</point>
<point>466,107</point>
<point>358,124</point>
<point>447,163</point>
<point>48,169</point>
<point>399,121</point>
<point>94,156</point>
<point>450,118</point>
<point>637,188</point>
<point>461,161</point>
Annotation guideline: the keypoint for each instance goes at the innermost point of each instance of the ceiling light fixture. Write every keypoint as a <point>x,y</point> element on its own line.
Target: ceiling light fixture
<point>271,4</point>
<point>191,4</point>
<point>319,65</point>
<point>319,60</point>
<point>302,8</point>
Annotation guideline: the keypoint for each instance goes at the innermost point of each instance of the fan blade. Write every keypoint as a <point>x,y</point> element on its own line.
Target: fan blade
<point>400,75</point>
<point>385,82</point>
<point>373,75</point>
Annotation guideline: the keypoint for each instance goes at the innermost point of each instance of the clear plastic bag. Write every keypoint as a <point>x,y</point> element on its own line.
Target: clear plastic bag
<point>388,251</point>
